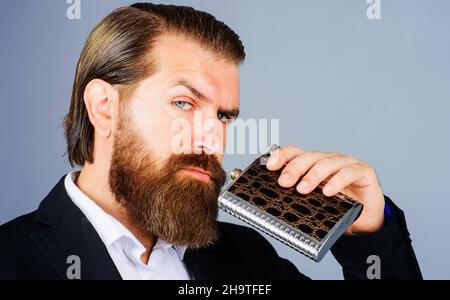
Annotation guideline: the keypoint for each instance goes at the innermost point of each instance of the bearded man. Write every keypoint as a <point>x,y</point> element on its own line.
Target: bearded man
<point>144,206</point>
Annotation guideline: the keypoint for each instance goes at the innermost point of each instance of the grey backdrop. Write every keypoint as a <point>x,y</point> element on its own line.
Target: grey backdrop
<point>377,89</point>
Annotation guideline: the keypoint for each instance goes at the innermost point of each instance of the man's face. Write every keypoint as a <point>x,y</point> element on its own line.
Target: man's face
<point>169,140</point>
<point>190,96</point>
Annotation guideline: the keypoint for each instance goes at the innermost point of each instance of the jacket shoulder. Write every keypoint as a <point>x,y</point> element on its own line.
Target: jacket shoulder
<point>20,227</point>
<point>15,235</point>
<point>20,257</point>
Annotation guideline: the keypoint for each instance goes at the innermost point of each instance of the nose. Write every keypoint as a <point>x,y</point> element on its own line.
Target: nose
<point>208,134</point>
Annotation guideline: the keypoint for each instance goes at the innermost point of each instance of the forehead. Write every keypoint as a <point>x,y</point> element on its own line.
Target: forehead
<point>179,58</point>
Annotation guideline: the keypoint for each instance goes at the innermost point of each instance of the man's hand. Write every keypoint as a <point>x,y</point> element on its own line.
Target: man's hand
<point>341,173</point>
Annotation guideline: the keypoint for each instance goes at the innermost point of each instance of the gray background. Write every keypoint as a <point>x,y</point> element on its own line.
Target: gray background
<point>376,89</point>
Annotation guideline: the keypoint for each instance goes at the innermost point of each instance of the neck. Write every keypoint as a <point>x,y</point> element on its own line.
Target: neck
<point>93,182</point>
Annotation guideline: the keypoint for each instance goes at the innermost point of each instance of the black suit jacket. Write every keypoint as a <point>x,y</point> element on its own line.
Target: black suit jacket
<point>37,245</point>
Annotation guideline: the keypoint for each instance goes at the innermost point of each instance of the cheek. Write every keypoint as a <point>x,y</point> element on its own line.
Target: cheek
<point>154,125</point>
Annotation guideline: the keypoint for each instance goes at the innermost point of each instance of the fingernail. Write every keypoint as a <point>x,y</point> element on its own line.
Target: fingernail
<point>269,162</point>
<point>303,185</point>
<point>327,190</point>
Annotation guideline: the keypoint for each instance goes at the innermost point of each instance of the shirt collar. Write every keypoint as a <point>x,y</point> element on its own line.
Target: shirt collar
<point>109,229</point>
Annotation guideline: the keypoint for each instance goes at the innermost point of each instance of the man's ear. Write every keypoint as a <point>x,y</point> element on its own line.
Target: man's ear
<point>99,98</point>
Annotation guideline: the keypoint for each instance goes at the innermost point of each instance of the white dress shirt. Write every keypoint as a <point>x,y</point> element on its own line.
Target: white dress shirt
<point>165,262</point>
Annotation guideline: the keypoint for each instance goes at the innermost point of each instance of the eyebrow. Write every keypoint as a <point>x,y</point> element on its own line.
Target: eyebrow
<point>230,113</point>
<point>193,90</point>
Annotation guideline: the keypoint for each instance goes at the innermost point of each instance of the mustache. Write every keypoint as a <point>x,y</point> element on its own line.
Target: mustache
<point>204,161</point>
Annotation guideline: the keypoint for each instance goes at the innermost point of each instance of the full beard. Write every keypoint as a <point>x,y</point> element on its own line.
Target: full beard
<point>162,201</point>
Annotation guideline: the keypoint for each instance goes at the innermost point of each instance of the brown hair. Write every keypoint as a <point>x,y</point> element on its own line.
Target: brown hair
<point>118,50</point>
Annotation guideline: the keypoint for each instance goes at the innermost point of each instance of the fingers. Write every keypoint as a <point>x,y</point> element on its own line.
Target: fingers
<point>346,176</point>
<point>323,169</point>
<point>283,155</point>
<point>298,166</point>
<point>339,171</point>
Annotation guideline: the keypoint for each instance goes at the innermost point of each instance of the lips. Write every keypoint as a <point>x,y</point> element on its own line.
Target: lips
<point>199,173</point>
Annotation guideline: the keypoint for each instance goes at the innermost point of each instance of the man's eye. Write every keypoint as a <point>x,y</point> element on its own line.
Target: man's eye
<point>183,105</point>
<point>222,117</point>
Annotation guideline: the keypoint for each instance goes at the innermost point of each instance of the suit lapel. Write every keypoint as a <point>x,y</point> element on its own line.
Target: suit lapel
<point>70,233</point>
<point>196,270</point>
<point>212,262</point>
